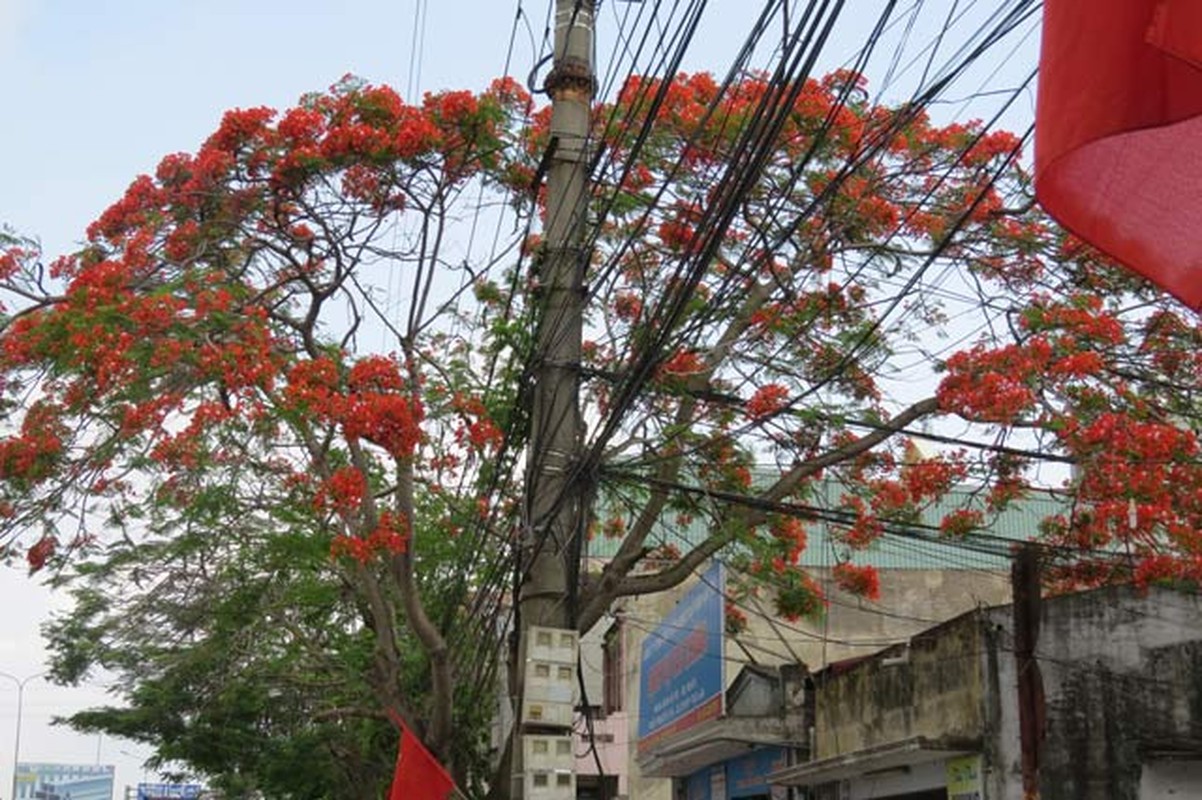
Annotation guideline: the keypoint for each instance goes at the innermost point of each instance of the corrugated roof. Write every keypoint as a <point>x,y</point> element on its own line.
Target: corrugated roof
<point>913,547</point>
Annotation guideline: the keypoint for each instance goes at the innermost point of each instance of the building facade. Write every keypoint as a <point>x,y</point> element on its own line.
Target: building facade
<point>1117,711</point>
<point>43,781</point>
<point>922,582</point>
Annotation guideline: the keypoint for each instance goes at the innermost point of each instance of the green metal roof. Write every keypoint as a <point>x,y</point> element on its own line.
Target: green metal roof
<point>902,547</point>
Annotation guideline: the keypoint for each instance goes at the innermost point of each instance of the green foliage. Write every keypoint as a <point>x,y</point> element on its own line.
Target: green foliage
<point>242,655</point>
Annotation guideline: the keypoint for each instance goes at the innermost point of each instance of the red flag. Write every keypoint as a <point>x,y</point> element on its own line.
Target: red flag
<point>418,775</point>
<point>1118,146</point>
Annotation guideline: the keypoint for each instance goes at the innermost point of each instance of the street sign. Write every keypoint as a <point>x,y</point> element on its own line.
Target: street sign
<point>169,791</point>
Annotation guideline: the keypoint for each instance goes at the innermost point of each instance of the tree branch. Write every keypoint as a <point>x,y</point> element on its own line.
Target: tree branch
<point>746,516</point>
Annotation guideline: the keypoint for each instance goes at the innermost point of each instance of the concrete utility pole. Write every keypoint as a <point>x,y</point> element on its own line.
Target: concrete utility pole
<point>553,505</point>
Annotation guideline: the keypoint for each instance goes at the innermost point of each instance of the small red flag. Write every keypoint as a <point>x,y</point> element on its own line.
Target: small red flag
<point>418,775</point>
<point>1118,135</point>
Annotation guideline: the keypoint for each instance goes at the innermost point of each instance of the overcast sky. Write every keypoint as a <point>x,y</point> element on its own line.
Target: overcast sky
<point>97,91</point>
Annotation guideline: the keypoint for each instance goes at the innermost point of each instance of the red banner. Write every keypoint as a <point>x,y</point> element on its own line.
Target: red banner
<point>418,776</point>
<point>1118,151</point>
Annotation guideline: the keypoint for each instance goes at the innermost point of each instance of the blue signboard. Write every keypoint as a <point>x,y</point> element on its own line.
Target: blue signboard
<point>169,791</point>
<point>699,785</point>
<point>747,775</point>
<point>681,678</point>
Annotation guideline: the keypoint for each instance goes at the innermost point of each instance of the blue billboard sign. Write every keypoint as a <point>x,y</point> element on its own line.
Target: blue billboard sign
<point>681,680</point>
<point>169,791</point>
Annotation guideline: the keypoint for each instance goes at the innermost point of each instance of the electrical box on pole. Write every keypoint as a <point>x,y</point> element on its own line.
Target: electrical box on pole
<point>550,767</point>
<point>549,698</point>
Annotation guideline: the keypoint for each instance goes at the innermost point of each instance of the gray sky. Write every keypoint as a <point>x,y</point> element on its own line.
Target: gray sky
<point>97,91</point>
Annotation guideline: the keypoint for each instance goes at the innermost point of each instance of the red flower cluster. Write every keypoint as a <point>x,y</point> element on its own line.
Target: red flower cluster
<point>40,552</point>
<point>1169,569</point>
<point>736,619</point>
<point>993,385</point>
<point>13,259</point>
<point>790,532</point>
<point>865,527</point>
<point>679,232</point>
<point>862,581</point>
<point>628,306</point>
<point>375,374</point>
<point>476,429</point>
<point>614,527</point>
<point>391,421</point>
<point>931,478</point>
<point>683,364</point>
<point>343,492</point>
<point>31,456</point>
<point>766,401</point>
<point>389,536</point>
<point>376,405</point>
<point>961,522</point>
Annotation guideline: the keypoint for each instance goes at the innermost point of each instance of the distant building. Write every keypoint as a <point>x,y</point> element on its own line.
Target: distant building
<point>37,781</point>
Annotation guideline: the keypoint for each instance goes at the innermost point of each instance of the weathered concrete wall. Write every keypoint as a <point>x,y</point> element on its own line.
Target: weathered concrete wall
<point>911,601</point>
<point>1122,677</point>
<point>936,691</point>
<point>1103,721</point>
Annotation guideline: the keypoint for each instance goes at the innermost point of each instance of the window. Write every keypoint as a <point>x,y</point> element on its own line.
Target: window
<point>612,672</point>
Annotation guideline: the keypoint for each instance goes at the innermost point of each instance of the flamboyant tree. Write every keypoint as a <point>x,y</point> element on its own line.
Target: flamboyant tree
<point>206,363</point>
<point>787,283</point>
